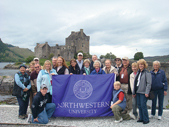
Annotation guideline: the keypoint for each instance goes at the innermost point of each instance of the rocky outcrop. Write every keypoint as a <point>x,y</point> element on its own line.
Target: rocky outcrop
<point>11,66</point>
<point>6,85</point>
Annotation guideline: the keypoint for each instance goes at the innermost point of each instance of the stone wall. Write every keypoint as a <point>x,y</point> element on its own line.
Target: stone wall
<point>76,41</point>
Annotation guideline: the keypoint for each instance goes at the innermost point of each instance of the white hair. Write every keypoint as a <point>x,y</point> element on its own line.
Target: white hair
<point>157,62</point>
<point>55,57</point>
<point>97,61</point>
<point>94,55</point>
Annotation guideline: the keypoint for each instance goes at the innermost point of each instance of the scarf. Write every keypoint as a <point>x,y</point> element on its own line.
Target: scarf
<point>87,70</point>
<point>21,77</point>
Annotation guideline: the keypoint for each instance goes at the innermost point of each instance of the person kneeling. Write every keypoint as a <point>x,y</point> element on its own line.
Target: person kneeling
<point>119,104</point>
<point>41,109</point>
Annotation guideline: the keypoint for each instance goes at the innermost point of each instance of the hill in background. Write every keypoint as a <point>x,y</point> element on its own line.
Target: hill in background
<point>10,53</point>
<point>164,58</point>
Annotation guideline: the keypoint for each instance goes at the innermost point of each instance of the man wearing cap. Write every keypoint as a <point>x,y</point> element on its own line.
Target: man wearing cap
<point>36,60</point>
<point>118,63</point>
<point>124,78</point>
<point>80,60</point>
<point>21,90</point>
<point>41,109</point>
<point>94,58</point>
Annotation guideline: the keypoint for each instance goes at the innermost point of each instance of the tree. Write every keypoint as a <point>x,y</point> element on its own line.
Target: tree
<point>108,56</point>
<point>50,56</point>
<point>29,59</point>
<point>138,55</point>
<point>85,55</point>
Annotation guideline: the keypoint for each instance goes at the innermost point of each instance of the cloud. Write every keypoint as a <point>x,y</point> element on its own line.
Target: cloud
<point>119,27</point>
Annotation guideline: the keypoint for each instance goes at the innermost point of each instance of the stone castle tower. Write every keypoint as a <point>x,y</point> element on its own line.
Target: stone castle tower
<point>76,41</point>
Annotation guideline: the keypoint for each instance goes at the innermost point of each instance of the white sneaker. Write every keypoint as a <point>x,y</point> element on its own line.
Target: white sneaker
<point>159,117</point>
<point>151,116</point>
<point>29,119</point>
<point>132,116</point>
<point>118,121</point>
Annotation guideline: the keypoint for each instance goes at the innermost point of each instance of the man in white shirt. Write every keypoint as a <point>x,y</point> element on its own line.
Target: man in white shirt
<point>80,60</point>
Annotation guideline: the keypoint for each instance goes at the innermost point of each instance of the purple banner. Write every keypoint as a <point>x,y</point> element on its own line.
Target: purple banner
<point>82,95</point>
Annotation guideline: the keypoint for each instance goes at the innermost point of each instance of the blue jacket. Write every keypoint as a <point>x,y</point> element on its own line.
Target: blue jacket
<point>100,72</point>
<point>159,80</point>
<point>115,98</point>
<point>44,78</point>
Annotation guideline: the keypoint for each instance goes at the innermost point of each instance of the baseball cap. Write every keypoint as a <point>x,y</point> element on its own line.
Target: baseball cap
<point>23,65</point>
<point>80,54</point>
<point>125,58</point>
<point>43,86</point>
<point>36,59</point>
<point>117,58</point>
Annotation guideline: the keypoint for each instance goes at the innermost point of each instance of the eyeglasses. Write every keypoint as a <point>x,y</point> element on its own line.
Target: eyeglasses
<point>36,67</point>
<point>117,60</point>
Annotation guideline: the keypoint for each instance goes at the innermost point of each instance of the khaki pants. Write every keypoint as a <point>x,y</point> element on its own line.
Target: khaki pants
<point>30,99</point>
<point>128,97</point>
<point>117,113</point>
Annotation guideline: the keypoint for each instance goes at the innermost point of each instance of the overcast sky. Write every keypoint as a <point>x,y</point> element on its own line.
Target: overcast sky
<point>122,27</point>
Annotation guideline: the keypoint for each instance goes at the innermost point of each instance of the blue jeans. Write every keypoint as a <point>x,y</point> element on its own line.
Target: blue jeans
<point>23,105</point>
<point>134,105</point>
<point>160,94</point>
<point>142,106</point>
<point>44,116</point>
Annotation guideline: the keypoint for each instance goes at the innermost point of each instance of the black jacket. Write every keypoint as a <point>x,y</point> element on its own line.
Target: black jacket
<point>129,71</point>
<point>61,70</point>
<point>39,103</point>
<point>76,71</point>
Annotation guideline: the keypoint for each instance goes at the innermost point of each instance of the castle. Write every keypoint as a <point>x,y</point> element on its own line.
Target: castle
<point>76,41</point>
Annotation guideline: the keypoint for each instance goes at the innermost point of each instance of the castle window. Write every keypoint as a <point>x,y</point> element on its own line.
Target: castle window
<point>82,44</point>
<point>58,54</point>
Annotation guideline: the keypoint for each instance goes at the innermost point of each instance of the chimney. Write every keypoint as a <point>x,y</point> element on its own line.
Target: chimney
<point>46,42</point>
<point>72,32</point>
<point>81,32</point>
<point>37,44</point>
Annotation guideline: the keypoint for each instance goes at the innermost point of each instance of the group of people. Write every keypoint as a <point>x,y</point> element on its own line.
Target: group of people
<point>131,89</point>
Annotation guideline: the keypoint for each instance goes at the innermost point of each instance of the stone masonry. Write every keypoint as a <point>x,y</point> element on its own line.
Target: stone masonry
<point>76,41</point>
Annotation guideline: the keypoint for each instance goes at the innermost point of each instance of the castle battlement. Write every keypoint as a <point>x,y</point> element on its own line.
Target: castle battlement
<point>76,41</point>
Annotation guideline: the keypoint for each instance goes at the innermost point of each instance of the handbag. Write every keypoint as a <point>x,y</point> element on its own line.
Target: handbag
<point>151,95</point>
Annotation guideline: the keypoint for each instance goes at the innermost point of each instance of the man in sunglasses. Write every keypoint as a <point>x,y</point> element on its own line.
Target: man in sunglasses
<point>33,78</point>
<point>118,63</point>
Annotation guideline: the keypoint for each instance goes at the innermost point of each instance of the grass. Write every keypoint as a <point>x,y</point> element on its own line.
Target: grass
<point>18,63</point>
<point>2,102</point>
<point>25,52</point>
<point>4,77</point>
<point>42,61</point>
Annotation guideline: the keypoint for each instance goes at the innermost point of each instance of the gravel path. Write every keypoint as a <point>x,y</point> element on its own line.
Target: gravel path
<point>9,114</point>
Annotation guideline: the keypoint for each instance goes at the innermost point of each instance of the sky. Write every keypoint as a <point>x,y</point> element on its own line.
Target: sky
<point>122,27</point>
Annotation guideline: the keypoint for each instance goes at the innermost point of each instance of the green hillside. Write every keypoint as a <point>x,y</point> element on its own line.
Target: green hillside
<point>9,53</point>
<point>24,51</point>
